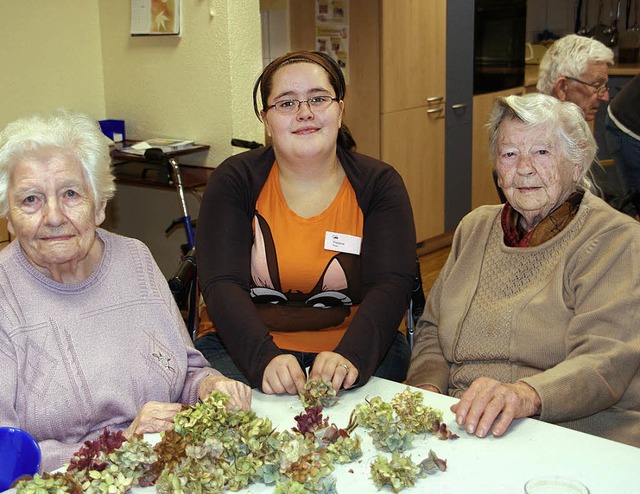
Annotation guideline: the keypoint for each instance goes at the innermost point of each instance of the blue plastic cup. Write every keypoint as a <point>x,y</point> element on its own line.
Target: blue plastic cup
<point>19,455</point>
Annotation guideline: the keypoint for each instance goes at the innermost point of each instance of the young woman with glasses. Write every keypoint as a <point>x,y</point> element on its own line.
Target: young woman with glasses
<point>305,248</point>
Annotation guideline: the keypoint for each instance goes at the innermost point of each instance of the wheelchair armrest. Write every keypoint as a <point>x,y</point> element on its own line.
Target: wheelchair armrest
<point>185,273</point>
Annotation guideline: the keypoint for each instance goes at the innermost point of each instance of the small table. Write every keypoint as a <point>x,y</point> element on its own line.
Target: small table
<point>133,169</point>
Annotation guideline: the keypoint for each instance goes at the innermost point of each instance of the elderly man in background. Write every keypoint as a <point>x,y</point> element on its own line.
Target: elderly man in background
<point>576,69</point>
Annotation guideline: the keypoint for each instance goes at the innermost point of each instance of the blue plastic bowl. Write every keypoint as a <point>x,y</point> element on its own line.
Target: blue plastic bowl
<point>19,455</point>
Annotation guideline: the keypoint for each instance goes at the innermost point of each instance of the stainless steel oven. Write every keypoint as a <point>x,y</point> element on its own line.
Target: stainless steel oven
<point>499,44</point>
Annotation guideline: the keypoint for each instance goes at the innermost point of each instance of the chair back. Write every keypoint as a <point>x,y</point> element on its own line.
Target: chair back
<point>416,304</point>
<point>184,287</point>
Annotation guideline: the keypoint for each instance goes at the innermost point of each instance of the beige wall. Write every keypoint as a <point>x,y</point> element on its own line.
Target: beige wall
<point>51,57</point>
<point>78,54</point>
<point>196,86</point>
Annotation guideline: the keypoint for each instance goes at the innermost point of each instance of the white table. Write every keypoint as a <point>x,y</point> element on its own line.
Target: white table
<point>529,449</point>
<point>491,465</point>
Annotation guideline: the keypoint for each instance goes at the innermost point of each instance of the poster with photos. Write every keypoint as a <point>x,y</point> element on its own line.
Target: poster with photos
<point>332,31</point>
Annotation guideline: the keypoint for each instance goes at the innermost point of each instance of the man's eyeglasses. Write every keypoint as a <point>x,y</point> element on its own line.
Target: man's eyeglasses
<point>293,105</point>
<point>600,90</point>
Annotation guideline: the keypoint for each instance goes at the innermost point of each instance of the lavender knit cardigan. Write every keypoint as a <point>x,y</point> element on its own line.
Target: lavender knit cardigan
<point>76,358</point>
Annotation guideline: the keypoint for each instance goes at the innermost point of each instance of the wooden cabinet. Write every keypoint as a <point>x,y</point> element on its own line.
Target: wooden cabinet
<point>483,189</point>
<point>413,53</point>
<point>413,142</point>
<point>412,78</point>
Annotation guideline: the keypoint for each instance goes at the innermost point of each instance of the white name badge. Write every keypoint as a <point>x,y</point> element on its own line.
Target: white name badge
<point>341,242</point>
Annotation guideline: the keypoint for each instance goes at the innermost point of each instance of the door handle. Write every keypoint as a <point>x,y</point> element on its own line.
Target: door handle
<point>434,99</point>
<point>434,110</point>
<point>459,106</point>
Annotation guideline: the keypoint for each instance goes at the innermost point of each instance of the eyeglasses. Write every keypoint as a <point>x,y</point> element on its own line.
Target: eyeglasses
<point>600,90</point>
<point>293,105</point>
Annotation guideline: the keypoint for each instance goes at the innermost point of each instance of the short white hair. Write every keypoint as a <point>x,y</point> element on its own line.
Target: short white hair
<point>570,57</point>
<point>565,120</point>
<point>68,132</point>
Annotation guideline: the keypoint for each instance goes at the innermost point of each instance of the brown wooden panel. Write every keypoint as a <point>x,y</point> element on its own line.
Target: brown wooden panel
<point>413,143</point>
<point>413,52</point>
<point>362,103</point>
<point>302,25</point>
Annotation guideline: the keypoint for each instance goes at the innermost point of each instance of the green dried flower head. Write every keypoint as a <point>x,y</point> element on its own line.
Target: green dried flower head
<point>48,483</point>
<point>110,480</point>
<point>135,459</point>
<point>374,413</point>
<point>345,449</point>
<point>318,392</point>
<point>391,437</point>
<point>189,477</point>
<point>204,418</point>
<point>418,418</point>
<point>398,473</point>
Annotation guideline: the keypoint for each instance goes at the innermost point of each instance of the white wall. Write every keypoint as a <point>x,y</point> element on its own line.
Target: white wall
<point>196,86</point>
<point>51,57</point>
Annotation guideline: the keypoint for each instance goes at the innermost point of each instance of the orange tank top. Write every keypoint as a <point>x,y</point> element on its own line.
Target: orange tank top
<point>305,294</point>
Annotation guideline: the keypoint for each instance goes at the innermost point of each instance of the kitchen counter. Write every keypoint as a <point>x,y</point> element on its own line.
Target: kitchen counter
<point>623,69</point>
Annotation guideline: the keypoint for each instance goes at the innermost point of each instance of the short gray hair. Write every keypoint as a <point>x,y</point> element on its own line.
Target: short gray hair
<point>565,120</point>
<point>69,132</point>
<point>570,57</point>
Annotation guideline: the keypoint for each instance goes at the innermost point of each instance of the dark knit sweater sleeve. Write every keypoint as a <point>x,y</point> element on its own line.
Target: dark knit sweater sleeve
<point>625,107</point>
<point>388,258</point>
<point>223,244</point>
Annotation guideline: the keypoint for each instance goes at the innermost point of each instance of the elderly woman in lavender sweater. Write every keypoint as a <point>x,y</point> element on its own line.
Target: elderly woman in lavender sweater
<point>90,336</point>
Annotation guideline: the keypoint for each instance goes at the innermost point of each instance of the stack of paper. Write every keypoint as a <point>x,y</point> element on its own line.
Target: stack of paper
<point>167,145</point>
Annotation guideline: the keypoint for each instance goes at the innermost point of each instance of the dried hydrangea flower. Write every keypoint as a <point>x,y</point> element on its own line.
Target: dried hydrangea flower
<point>399,473</point>
<point>318,392</point>
<point>417,417</point>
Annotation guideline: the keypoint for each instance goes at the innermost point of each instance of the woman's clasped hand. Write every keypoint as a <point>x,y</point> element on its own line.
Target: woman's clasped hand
<point>284,374</point>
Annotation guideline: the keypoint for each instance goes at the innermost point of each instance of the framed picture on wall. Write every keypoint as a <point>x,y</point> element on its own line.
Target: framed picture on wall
<point>155,17</point>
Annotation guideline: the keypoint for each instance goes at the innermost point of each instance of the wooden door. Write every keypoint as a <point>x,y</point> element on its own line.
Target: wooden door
<point>412,77</point>
<point>413,143</point>
<point>413,53</point>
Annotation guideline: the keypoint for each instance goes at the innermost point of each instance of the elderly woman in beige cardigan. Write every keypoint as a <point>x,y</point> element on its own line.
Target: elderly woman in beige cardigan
<point>536,313</point>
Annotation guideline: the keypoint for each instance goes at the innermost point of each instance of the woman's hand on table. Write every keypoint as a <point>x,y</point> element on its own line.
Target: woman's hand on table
<point>154,416</point>
<point>239,393</point>
<point>488,403</point>
<point>334,368</point>
<point>283,375</point>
